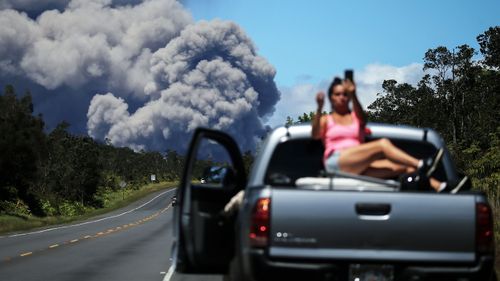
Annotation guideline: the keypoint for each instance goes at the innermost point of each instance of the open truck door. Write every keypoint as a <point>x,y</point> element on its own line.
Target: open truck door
<point>203,236</point>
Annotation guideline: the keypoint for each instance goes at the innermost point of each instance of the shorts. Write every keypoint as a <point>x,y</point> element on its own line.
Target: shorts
<point>332,162</point>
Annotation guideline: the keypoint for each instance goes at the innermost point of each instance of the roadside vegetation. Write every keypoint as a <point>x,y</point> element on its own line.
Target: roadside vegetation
<point>114,200</point>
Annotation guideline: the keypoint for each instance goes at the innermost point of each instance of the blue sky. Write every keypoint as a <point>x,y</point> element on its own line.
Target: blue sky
<point>308,42</point>
<point>319,38</point>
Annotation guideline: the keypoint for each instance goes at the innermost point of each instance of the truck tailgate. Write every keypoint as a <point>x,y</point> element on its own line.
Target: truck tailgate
<point>390,226</point>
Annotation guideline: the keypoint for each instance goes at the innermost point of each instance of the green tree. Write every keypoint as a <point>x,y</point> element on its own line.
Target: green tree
<point>22,146</point>
<point>175,162</point>
<point>72,171</point>
<point>396,104</point>
<point>489,43</point>
<point>306,117</point>
<point>455,82</point>
<point>483,166</point>
<point>248,159</point>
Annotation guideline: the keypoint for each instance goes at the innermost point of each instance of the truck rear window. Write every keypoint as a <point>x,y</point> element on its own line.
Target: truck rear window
<point>295,159</point>
<point>301,158</point>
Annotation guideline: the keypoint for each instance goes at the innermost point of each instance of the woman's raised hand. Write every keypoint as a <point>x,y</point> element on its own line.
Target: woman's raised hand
<point>350,87</point>
<point>320,100</point>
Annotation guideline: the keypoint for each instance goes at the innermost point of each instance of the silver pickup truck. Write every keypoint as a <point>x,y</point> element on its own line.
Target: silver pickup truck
<point>297,223</point>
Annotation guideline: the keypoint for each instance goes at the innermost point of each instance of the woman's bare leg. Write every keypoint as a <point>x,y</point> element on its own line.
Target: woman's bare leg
<point>386,169</point>
<point>362,159</point>
<point>358,158</point>
<point>435,184</point>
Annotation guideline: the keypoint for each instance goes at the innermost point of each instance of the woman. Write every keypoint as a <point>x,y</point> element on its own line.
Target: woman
<point>342,133</point>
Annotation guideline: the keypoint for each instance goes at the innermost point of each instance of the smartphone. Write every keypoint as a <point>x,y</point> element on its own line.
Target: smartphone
<point>349,74</point>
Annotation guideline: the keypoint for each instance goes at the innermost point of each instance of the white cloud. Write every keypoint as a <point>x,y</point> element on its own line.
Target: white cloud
<point>369,79</point>
<point>295,101</point>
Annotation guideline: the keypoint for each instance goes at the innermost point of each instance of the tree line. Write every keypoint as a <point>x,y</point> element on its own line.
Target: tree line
<point>458,97</point>
<point>42,173</point>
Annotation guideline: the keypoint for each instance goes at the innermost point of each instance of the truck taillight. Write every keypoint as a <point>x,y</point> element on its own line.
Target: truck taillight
<point>259,227</point>
<point>484,228</point>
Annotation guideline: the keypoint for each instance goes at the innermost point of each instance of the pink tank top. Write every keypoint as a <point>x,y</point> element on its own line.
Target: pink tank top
<point>338,137</point>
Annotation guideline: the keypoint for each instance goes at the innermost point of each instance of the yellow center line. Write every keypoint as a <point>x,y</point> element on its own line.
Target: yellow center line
<point>7,259</point>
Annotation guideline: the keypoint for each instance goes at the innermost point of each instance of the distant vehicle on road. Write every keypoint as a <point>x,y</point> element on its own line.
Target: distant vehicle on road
<point>296,223</point>
<point>214,174</point>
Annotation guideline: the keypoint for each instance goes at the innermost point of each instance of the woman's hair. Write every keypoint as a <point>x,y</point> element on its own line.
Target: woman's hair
<point>336,81</point>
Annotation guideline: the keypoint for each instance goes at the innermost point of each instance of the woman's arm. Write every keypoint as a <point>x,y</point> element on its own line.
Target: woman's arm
<point>317,124</point>
<point>356,105</point>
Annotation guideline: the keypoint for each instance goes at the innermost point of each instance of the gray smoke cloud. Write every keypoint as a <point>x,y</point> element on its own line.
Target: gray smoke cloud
<point>208,76</point>
<point>89,41</point>
<point>162,73</point>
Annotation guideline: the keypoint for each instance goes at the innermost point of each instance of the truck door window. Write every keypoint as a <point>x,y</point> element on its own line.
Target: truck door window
<point>212,164</point>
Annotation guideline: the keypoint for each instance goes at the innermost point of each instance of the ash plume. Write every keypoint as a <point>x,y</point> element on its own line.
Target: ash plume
<point>162,73</point>
<point>209,76</point>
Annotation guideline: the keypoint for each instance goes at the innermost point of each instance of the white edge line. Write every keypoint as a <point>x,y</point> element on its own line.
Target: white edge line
<point>88,222</point>
<point>169,274</point>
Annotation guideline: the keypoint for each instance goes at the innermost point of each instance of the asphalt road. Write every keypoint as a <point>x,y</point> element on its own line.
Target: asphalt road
<point>129,244</point>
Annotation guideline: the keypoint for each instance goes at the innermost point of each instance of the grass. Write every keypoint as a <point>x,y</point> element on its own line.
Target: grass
<point>496,217</point>
<point>116,200</point>
<point>494,199</point>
